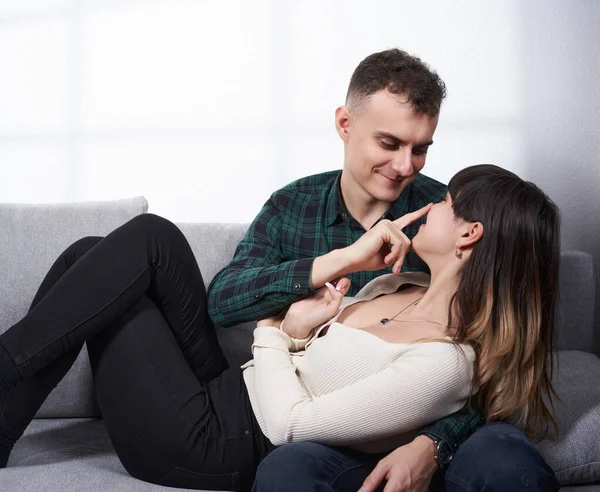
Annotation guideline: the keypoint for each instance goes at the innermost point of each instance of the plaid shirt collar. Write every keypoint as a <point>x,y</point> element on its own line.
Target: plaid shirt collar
<point>336,209</point>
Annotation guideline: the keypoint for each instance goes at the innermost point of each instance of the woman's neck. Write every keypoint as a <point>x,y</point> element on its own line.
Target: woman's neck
<point>435,303</point>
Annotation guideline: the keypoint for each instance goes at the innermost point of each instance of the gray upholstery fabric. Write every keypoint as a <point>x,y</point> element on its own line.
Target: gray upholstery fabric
<point>575,455</point>
<point>68,455</point>
<point>577,295</point>
<point>32,237</point>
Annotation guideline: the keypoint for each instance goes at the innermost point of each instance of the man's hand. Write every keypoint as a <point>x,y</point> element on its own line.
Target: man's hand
<point>373,252</point>
<point>409,468</point>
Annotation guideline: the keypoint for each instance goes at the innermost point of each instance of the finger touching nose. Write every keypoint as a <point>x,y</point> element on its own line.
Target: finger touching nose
<point>413,216</point>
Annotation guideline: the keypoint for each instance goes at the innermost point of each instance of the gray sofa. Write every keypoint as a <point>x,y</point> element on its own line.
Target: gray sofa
<point>66,448</point>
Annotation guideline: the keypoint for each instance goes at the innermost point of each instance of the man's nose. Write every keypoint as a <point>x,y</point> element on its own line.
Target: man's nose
<point>402,162</point>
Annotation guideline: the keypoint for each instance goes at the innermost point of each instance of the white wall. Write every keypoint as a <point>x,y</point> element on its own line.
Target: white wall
<point>203,105</point>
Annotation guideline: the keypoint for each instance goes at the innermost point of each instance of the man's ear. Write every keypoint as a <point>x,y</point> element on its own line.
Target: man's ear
<point>470,235</point>
<point>342,122</point>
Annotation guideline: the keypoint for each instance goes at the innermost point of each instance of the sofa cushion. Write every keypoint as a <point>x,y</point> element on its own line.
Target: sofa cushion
<point>68,455</point>
<point>32,237</point>
<point>575,456</point>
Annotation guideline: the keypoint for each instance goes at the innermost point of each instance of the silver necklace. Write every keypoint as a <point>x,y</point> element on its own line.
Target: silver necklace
<point>385,321</point>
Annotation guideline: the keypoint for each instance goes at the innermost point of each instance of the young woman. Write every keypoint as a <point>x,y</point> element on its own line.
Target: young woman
<point>363,372</point>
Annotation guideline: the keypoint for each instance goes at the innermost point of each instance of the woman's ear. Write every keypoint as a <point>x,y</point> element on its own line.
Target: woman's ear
<point>470,235</point>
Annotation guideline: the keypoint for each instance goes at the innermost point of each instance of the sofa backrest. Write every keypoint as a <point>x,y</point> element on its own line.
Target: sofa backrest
<point>35,235</point>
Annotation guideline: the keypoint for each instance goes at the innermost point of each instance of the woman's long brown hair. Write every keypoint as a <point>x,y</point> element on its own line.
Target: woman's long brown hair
<point>505,305</point>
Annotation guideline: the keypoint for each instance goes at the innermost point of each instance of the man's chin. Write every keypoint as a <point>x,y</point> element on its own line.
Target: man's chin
<point>390,194</point>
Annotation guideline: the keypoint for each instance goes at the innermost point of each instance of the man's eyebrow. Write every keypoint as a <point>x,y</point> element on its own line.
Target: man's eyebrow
<point>380,134</point>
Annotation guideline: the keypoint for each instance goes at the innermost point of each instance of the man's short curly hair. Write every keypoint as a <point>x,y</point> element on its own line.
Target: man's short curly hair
<point>399,73</point>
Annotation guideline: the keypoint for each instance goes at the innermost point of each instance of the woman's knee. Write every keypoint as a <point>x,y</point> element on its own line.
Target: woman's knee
<point>152,224</point>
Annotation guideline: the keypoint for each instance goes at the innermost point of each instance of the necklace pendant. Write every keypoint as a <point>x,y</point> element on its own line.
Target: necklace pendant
<point>384,321</point>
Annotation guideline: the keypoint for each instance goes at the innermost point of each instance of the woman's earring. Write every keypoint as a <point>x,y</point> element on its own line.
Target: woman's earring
<point>458,253</point>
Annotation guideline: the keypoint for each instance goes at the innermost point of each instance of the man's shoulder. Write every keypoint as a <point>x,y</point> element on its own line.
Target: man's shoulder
<point>311,185</point>
<point>310,189</point>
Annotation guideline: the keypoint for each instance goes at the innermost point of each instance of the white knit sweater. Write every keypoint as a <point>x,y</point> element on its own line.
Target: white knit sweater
<point>351,388</point>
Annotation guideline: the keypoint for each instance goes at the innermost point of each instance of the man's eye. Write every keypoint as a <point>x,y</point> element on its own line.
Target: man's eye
<point>419,151</point>
<point>388,145</point>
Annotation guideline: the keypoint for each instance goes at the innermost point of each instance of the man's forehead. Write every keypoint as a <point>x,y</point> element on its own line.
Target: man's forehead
<point>385,100</point>
<point>384,108</point>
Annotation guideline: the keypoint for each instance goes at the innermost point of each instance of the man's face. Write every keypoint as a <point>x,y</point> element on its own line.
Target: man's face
<point>385,145</point>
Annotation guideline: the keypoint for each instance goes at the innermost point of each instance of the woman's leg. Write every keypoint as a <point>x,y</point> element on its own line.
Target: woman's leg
<point>146,256</point>
<point>168,427</point>
<point>25,399</point>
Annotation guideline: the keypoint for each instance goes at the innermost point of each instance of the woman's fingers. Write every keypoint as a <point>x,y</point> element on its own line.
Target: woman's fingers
<point>330,286</point>
<point>337,292</point>
<point>342,285</point>
<point>407,219</point>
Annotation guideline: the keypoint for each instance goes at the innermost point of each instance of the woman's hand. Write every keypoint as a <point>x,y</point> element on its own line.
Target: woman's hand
<point>373,252</point>
<point>305,315</point>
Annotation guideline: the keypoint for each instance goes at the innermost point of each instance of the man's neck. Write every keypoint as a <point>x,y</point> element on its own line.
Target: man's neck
<point>362,206</point>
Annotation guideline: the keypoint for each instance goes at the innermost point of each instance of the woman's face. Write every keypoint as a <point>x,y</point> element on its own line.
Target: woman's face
<point>439,235</point>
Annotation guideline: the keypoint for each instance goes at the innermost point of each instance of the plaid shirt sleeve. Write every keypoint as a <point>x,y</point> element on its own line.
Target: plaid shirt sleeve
<point>458,427</point>
<point>258,282</point>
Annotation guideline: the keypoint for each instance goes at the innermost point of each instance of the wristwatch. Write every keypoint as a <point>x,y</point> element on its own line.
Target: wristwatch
<point>443,452</point>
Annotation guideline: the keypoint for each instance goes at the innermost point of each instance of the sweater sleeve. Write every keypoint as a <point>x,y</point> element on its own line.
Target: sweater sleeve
<point>424,384</point>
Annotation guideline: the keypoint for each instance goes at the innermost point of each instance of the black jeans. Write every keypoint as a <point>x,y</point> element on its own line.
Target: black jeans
<point>175,413</point>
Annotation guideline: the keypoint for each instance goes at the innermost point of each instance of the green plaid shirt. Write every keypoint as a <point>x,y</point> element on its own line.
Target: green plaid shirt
<point>305,219</point>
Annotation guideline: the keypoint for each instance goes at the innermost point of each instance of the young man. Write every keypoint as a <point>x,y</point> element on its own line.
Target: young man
<point>294,246</point>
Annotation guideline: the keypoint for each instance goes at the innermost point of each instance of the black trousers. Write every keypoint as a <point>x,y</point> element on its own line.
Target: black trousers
<point>175,413</point>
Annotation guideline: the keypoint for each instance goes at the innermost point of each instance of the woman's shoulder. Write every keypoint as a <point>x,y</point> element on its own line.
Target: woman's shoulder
<point>390,282</point>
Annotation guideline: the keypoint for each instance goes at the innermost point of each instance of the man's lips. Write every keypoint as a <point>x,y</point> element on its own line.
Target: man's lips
<point>393,180</point>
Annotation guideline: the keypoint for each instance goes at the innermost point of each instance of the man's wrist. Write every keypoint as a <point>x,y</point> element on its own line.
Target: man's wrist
<point>427,445</point>
<point>442,451</point>
<point>329,266</point>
